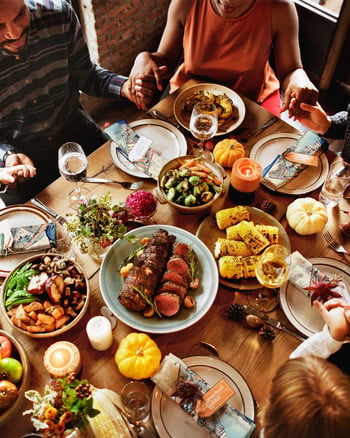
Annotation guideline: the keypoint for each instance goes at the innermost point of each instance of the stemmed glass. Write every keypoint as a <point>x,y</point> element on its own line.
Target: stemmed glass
<point>272,271</point>
<point>72,164</point>
<point>203,125</point>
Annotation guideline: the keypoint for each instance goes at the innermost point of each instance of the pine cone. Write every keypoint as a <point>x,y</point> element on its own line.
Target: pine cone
<point>267,332</point>
<point>268,206</point>
<point>346,229</point>
<point>236,312</point>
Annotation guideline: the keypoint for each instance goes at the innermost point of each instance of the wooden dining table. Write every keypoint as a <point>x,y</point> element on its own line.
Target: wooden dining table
<point>254,357</point>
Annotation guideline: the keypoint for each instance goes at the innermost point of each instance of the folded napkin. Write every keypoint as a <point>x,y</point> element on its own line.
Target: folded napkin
<point>137,150</point>
<point>302,272</point>
<point>29,238</point>
<point>173,374</point>
<point>280,171</point>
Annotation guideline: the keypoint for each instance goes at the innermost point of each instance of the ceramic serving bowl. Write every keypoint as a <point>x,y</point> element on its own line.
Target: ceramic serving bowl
<point>62,296</point>
<point>161,191</point>
<point>20,354</point>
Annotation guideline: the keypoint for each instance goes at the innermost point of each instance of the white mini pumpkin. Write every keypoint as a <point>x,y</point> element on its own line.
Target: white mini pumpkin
<point>307,216</point>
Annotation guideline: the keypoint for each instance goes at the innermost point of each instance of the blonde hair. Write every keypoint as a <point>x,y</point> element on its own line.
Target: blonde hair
<point>309,398</point>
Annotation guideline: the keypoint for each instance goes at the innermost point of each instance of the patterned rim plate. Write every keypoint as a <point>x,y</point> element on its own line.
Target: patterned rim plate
<point>172,422</point>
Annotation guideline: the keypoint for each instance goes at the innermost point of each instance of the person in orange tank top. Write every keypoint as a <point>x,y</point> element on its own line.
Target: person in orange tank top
<point>230,42</point>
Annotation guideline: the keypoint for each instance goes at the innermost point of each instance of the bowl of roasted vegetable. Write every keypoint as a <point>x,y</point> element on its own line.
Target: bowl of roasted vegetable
<point>14,376</point>
<point>45,295</point>
<point>190,184</point>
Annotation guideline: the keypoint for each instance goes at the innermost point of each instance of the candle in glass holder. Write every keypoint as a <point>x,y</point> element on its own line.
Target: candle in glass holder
<point>99,332</point>
<point>62,358</point>
<point>245,179</point>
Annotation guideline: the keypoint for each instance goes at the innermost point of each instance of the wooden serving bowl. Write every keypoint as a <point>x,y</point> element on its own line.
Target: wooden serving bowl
<point>176,163</point>
<point>68,325</point>
<point>18,353</point>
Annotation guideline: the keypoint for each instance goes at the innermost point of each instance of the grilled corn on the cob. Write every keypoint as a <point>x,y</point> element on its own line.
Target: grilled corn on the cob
<point>231,216</point>
<point>237,267</point>
<point>269,231</point>
<point>255,241</point>
<point>231,247</point>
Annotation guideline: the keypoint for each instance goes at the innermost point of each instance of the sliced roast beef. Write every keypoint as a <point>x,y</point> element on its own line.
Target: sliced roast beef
<point>167,304</point>
<point>174,288</point>
<point>179,265</point>
<point>175,277</point>
<point>181,249</point>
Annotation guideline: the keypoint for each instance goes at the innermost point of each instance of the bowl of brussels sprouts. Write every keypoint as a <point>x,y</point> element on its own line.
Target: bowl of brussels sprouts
<point>190,184</point>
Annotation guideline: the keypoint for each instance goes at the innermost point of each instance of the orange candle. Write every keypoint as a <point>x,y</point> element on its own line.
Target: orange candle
<point>62,358</point>
<point>246,175</point>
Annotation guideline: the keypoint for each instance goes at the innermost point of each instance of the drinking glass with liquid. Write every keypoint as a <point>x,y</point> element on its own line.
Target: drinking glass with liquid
<point>203,125</point>
<point>135,397</point>
<point>73,164</point>
<point>337,179</point>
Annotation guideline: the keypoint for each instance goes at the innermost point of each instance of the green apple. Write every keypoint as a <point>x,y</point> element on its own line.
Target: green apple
<point>11,369</point>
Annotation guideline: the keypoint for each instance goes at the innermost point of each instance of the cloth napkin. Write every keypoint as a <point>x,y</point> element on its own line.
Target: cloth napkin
<point>227,422</point>
<point>280,171</point>
<point>26,239</point>
<point>125,140</point>
<point>302,272</point>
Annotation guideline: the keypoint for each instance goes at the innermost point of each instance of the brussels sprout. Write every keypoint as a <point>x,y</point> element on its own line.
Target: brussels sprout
<point>171,194</point>
<point>190,200</point>
<point>171,182</point>
<point>197,190</point>
<point>185,171</point>
<point>182,186</point>
<point>204,187</point>
<point>194,180</point>
<point>207,196</point>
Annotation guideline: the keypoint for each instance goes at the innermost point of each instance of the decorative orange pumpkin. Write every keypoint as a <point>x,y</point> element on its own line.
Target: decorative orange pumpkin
<point>227,151</point>
<point>138,356</point>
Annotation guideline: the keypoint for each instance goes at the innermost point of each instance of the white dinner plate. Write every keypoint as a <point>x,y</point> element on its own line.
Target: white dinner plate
<point>20,215</point>
<point>308,180</point>
<point>297,306</point>
<point>217,89</point>
<point>167,141</point>
<point>111,283</point>
<point>171,421</point>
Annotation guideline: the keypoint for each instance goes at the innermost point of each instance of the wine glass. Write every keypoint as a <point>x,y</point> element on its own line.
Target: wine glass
<point>72,164</point>
<point>203,125</point>
<point>271,271</point>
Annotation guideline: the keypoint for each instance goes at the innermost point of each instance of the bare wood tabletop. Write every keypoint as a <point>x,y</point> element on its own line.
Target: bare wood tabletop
<point>255,358</point>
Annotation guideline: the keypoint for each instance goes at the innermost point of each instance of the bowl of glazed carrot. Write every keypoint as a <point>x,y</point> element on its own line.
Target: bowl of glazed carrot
<point>190,184</point>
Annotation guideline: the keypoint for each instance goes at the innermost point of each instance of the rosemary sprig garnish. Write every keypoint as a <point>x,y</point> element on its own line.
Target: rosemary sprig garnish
<point>192,258</point>
<point>132,253</point>
<point>148,300</point>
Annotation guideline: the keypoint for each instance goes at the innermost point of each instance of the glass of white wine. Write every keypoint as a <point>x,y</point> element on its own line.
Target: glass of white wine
<point>73,164</point>
<point>203,125</point>
<point>272,271</point>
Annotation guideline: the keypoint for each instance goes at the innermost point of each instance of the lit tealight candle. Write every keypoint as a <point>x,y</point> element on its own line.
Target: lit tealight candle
<point>246,175</point>
<point>62,358</point>
<point>99,332</point>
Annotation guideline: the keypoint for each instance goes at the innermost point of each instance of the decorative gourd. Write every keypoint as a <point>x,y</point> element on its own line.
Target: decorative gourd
<point>138,356</point>
<point>307,216</point>
<point>227,151</point>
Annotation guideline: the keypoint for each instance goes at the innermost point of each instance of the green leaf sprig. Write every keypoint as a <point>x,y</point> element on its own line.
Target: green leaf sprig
<point>148,300</point>
<point>193,261</point>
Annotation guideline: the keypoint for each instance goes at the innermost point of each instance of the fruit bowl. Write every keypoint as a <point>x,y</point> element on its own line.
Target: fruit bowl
<point>162,193</point>
<point>18,353</point>
<point>56,295</point>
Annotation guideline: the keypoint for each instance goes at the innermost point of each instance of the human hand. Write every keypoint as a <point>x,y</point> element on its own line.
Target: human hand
<point>314,117</point>
<point>9,175</point>
<point>140,90</point>
<point>336,314</point>
<point>299,89</point>
<point>145,66</point>
<point>20,166</point>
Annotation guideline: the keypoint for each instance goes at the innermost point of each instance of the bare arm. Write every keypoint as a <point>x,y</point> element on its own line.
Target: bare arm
<point>285,29</point>
<point>162,63</point>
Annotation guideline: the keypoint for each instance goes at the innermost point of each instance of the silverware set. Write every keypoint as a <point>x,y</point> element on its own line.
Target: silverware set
<point>127,185</point>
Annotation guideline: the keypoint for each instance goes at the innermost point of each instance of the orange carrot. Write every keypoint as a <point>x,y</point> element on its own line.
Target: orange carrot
<point>188,163</point>
<point>198,173</point>
<point>204,167</point>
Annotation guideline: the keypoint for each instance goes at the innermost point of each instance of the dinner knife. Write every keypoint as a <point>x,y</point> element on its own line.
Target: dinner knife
<point>272,322</point>
<point>48,210</point>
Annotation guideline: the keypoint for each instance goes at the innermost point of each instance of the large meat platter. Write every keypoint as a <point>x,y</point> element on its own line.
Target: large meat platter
<point>111,282</point>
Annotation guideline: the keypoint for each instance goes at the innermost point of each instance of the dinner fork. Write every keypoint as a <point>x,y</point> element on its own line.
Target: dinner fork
<point>336,246</point>
<point>127,185</point>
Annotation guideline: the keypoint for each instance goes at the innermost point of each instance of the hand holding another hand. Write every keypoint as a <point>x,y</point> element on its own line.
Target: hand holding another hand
<point>19,168</point>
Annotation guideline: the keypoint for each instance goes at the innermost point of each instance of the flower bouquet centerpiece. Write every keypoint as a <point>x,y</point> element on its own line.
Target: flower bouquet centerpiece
<point>65,407</point>
<point>96,224</point>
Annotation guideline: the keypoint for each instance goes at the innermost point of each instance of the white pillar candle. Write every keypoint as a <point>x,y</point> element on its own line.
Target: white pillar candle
<point>99,332</point>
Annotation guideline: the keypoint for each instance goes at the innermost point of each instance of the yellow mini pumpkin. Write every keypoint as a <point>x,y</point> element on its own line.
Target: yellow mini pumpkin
<point>227,151</point>
<point>306,216</point>
<point>138,356</point>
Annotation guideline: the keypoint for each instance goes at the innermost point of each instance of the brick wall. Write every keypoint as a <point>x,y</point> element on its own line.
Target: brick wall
<point>117,30</point>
